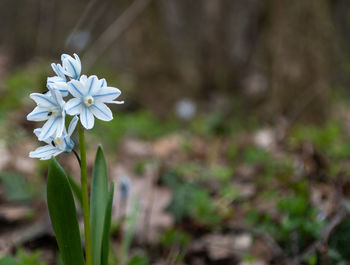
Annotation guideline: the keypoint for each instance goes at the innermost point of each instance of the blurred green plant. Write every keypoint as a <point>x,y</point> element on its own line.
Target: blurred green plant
<point>138,260</point>
<point>16,187</point>
<point>139,124</point>
<point>298,225</point>
<point>339,252</point>
<point>330,139</point>
<point>191,201</point>
<point>20,83</point>
<point>254,155</point>
<point>23,258</point>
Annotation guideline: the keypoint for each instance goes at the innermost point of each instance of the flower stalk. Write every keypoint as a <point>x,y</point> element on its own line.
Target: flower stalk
<point>85,196</point>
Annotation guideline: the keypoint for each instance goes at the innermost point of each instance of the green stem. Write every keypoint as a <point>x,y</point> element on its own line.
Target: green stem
<point>85,196</point>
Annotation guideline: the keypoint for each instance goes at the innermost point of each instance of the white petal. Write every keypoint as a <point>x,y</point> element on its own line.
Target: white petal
<point>87,118</point>
<point>54,79</point>
<point>58,85</point>
<point>101,111</point>
<point>74,106</point>
<point>107,94</point>
<point>77,64</point>
<point>49,128</point>
<point>72,67</point>
<point>38,114</point>
<point>72,125</point>
<point>77,89</point>
<point>57,97</point>
<point>44,152</point>
<point>83,79</point>
<point>37,132</point>
<point>60,126</point>
<point>93,84</point>
<point>57,68</point>
<point>114,102</point>
<point>42,100</point>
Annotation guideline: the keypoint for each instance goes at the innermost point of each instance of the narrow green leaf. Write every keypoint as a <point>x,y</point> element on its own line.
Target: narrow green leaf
<point>76,190</point>
<point>63,215</point>
<point>107,227</point>
<point>99,197</point>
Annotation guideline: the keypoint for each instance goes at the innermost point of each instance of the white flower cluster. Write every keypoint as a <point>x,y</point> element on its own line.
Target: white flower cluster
<point>89,96</point>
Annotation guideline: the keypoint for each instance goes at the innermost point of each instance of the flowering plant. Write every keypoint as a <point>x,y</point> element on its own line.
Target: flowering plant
<point>87,99</point>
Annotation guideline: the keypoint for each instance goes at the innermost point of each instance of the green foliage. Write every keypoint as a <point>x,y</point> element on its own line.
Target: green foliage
<point>18,84</point>
<point>140,124</point>
<point>191,201</point>
<point>212,124</point>
<point>338,243</point>
<point>224,174</point>
<point>98,204</point>
<point>139,167</point>
<point>174,237</point>
<point>254,155</point>
<point>23,258</point>
<point>298,218</point>
<point>329,139</point>
<point>76,190</point>
<point>107,227</point>
<point>138,260</point>
<point>63,215</point>
<point>16,187</point>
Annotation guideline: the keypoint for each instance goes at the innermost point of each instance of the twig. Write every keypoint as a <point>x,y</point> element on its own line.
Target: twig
<point>322,243</point>
<point>114,31</point>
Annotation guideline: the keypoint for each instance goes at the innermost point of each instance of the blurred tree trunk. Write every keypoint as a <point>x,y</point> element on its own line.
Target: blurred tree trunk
<point>300,53</point>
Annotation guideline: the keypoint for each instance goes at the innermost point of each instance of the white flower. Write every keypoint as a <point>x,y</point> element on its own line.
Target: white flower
<point>55,146</point>
<point>90,95</point>
<point>71,67</point>
<point>51,108</point>
<point>60,79</point>
<point>185,109</point>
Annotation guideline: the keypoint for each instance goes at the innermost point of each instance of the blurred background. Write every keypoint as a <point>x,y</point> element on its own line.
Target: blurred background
<point>232,146</point>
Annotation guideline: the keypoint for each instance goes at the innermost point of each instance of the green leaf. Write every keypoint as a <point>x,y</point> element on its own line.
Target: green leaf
<point>76,190</point>
<point>107,227</point>
<point>63,215</point>
<point>99,197</point>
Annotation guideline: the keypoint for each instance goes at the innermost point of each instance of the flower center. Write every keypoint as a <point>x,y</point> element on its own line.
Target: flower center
<point>88,101</point>
<point>57,141</point>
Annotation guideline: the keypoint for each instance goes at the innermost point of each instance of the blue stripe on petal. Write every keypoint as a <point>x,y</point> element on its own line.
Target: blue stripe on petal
<point>48,130</point>
<point>77,105</point>
<point>36,114</point>
<point>91,84</point>
<point>76,89</point>
<point>53,94</point>
<point>49,150</point>
<point>75,72</point>
<point>86,117</point>
<point>45,98</point>
<point>104,113</point>
<point>106,94</point>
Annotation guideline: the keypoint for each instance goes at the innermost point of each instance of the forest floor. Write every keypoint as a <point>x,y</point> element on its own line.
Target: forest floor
<point>272,195</point>
<point>207,191</point>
